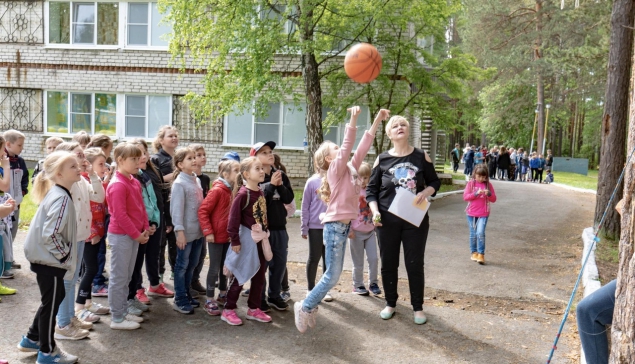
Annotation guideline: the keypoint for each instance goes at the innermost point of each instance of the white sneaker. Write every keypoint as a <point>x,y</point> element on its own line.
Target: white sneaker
<point>86,316</point>
<point>133,318</point>
<point>301,318</point>
<point>328,297</point>
<point>70,332</point>
<point>98,309</point>
<point>124,325</point>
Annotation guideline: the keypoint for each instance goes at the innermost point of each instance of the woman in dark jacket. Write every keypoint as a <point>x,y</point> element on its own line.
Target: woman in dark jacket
<point>492,160</point>
<point>503,164</point>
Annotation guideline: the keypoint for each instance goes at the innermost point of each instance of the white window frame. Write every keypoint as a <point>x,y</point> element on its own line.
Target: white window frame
<point>120,124</point>
<point>122,31</point>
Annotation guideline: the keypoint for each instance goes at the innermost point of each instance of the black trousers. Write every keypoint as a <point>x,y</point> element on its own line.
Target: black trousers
<point>50,280</point>
<point>539,175</point>
<point>391,235</point>
<point>91,264</point>
<point>168,241</point>
<point>153,252</point>
<point>316,251</point>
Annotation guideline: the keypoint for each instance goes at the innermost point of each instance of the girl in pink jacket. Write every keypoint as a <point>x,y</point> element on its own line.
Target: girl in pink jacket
<point>479,193</point>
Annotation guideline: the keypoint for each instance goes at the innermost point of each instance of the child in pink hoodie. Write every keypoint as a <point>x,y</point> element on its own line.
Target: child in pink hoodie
<point>479,193</point>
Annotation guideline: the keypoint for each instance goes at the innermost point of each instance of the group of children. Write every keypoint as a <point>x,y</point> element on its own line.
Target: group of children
<point>83,200</point>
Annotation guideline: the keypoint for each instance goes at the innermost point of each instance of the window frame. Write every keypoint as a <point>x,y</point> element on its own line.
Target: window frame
<point>122,27</point>
<point>120,114</point>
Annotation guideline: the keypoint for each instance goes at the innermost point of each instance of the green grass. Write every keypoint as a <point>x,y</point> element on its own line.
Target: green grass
<point>589,182</point>
<point>449,188</point>
<point>28,207</point>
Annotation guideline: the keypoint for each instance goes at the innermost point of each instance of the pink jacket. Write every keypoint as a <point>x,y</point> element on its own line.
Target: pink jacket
<point>127,212</point>
<point>345,187</point>
<point>478,205</point>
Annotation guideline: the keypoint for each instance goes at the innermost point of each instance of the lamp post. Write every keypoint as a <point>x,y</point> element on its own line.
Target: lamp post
<point>544,141</point>
<point>531,147</point>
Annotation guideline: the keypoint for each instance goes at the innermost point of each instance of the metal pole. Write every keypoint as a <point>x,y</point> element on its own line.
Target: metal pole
<point>544,142</point>
<point>531,146</point>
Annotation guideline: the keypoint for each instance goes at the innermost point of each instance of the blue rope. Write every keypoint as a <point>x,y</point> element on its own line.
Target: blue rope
<point>595,240</point>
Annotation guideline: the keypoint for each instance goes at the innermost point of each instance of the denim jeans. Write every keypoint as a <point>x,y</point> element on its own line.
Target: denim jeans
<point>593,313</point>
<point>477,233</point>
<point>67,308</point>
<point>335,237</point>
<point>186,261</point>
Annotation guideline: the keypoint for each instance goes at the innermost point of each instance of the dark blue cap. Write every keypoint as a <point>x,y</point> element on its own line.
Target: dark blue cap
<point>231,155</point>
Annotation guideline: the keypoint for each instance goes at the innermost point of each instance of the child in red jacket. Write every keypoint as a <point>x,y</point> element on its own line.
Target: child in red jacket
<point>213,216</point>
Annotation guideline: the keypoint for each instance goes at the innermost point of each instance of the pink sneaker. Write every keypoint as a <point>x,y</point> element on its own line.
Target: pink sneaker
<point>160,291</point>
<point>141,296</point>
<point>212,308</point>
<point>231,318</point>
<point>258,315</point>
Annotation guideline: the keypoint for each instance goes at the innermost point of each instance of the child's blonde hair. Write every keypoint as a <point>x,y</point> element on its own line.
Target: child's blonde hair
<point>179,156</point>
<point>160,135</point>
<point>197,147</point>
<point>51,167</point>
<point>224,168</point>
<point>140,142</point>
<point>364,170</point>
<point>13,135</point>
<point>102,141</point>
<point>53,140</point>
<point>319,160</point>
<point>67,146</point>
<point>93,153</point>
<point>82,138</point>
<point>245,166</point>
<point>126,150</point>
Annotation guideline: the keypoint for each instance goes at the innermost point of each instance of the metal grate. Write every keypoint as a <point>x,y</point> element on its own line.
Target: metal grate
<point>21,22</point>
<point>21,109</point>
<point>192,129</point>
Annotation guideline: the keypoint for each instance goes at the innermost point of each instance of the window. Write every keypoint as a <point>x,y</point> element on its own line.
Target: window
<point>267,13</point>
<point>136,115</point>
<point>83,23</point>
<point>144,28</point>
<point>69,112</point>
<point>285,125</point>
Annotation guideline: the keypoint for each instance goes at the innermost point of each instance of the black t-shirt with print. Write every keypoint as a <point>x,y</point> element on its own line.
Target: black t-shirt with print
<point>413,172</point>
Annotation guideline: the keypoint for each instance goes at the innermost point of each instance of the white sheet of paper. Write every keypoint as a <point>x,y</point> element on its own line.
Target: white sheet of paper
<point>403,206</point>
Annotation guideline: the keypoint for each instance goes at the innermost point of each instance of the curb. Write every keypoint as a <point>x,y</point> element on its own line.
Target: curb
<point>576,189</point>
<point>590,276</point>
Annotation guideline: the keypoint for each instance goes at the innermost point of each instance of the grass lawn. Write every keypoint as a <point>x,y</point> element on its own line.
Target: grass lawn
<point>28,207</point>
<point>589,182</point>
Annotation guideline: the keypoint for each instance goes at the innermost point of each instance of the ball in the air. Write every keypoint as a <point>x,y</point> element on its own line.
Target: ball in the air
<point>362,63</point>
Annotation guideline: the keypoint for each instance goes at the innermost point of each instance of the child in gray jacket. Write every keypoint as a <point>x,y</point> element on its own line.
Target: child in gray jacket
<point>51,249</point>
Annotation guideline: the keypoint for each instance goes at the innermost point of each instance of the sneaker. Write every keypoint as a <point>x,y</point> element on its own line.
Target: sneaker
<point>361,290</point>
<point>58,356</point>
<point>7,275</point>
<point>142,297</point>
<point>124,325</point>
<point>301,317</point>
<point>481,258</point>
<point>140,305</point>
<point>15,265</point>
<point>212,308</point>
<point>258,315</point>
<point>328,297</point>
<point>285,295</point>
<point>84,325</point>
<point>264,306</point>
<point>86,316</point>
<point>195,303</point>
<point>70,332</point>
<point>277,303</point>
<point>198,287</point>
<point>98,309</point>
<point>420,318</point>
<point>194,293</point>
<point>160,291</point>
<point>184,308</point>
<point>100,291</point>
<point>387,313</point>
<point>375,289</point>
<point>474,256</point>
<point>133,310</point>
<point>28,346</point>
<point>221,299</point>
<point>245,293</point>
<point>4,290</point>
<point>133,318</point>
<point>231,318</point>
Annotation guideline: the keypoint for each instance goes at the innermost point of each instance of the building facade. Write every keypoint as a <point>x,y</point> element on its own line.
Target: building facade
<point>104,67</point>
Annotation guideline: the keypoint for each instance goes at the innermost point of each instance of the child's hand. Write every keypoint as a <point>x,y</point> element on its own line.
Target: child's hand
<point>152,230</point>
<point>95,240</point>
<point>276,179</point>
<point>143,238</point>
<point>209,238</point>
<point>355,111</point>
<point>304,237</point>
<point>351,235</point>
<point>10,202</point>
<point>377,219</point>
<point>5,161</point>
<point>169,229</point>
<point>180,240</point>
<point>236,249</point>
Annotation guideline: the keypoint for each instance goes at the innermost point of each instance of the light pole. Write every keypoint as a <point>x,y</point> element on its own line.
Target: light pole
<point>531,147</point>
<point>544,141</point>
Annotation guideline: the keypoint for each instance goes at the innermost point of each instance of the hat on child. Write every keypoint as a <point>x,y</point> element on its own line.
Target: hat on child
<point>231,155</point>
<point>259,145</point>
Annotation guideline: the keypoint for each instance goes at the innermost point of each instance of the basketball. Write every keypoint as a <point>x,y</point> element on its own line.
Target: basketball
<point>362,63</point>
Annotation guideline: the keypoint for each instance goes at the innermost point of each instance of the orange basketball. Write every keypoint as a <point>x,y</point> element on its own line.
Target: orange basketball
<point>362,63</point>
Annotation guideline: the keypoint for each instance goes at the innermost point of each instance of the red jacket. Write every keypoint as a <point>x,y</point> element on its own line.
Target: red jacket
<point>97,227</point>
<point>213,215</point>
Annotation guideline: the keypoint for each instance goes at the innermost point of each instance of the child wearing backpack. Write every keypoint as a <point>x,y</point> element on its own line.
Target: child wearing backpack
<point>479,193</point>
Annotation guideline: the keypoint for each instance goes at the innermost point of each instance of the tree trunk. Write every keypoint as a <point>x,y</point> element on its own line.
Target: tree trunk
<point>313,89</point>
<point>614,121</point>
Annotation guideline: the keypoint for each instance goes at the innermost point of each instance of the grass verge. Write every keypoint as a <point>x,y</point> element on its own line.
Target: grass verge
<point>589,182</point>
<point>27,207</point>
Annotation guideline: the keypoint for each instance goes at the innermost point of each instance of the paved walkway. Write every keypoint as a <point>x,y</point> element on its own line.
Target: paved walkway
<point>507,311</point>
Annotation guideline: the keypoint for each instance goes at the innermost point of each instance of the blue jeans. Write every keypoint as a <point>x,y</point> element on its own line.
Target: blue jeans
<point>67,308</point>
<point>477,233</point>
<point>335,237</point>
<point>593,313</point>
<point>186,261</point>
